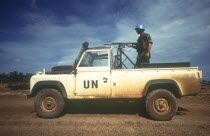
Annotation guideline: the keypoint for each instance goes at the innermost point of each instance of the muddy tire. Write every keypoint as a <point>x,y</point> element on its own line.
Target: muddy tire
<point>49,103</point>
<point>161,105</point>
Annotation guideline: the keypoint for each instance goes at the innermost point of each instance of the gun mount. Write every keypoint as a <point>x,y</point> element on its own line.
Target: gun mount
<point>118,59</point>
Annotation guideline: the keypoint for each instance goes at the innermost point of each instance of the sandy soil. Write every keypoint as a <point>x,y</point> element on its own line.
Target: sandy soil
<point>94,118</point>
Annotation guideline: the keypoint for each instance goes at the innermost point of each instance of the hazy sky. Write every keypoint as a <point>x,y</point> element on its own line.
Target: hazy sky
<point>37,34</point>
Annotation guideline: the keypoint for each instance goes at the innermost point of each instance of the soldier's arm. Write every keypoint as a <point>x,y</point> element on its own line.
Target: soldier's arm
<point>149,46</point>
<point>149,49</point>
<point>149,39</point>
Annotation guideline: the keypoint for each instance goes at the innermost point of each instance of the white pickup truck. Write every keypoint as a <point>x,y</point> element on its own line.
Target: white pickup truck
<point>98,73</point>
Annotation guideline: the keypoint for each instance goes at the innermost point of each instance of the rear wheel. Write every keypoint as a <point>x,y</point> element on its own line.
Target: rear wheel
<point>161,105</point>
<point>49,103</point>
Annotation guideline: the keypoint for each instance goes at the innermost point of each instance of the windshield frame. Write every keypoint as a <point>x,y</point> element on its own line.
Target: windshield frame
<point>97,67</point>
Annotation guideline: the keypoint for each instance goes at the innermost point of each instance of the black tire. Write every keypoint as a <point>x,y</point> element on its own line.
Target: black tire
<point>49,103</point>
<point>161,105</point>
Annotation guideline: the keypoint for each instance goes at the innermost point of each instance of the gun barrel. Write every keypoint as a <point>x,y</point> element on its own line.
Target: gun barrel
<point>123,43</point>
<point>120,43</point>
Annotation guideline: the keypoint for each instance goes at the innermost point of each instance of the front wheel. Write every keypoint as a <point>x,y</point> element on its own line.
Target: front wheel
<point>161,105</point>
<point>49,103</point>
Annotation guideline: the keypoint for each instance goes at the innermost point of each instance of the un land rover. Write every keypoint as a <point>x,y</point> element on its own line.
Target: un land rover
<point>98,73</point>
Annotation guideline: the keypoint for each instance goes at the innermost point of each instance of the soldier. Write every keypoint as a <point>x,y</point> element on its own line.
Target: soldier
<point>143,46</point>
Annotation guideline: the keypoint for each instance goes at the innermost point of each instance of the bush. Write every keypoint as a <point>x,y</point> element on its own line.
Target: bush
<point>16,80</point>
<point>20,86</point>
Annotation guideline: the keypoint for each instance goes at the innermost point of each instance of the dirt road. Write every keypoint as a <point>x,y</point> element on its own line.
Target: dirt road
<point>17,117</point>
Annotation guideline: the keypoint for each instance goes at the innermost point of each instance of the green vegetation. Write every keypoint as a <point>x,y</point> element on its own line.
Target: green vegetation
<point>16,80</point>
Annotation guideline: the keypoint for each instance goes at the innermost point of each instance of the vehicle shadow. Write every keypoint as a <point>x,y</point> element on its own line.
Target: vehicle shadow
<point>181,111</point>
<point>111,106</point>
<point>106,106</point>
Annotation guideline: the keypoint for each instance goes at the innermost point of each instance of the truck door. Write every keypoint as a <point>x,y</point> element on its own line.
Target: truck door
<point>93,73</point>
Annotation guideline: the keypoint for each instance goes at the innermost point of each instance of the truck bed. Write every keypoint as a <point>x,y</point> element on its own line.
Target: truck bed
<point>166,65</point>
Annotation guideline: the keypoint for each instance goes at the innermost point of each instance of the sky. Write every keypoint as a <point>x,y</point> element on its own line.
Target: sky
<point>37,34</point>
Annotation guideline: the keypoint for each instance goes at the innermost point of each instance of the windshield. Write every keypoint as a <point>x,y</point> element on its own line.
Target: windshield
<point>94,59</point>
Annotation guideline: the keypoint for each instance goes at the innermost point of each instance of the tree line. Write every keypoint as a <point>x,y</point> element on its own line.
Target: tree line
<point>16,80</point>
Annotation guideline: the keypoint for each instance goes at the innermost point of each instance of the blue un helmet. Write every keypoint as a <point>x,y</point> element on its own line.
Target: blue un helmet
<point>140,27</point>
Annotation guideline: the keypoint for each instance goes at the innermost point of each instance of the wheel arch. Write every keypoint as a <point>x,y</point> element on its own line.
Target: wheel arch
<point>48,84</point>
<point>168,84</point>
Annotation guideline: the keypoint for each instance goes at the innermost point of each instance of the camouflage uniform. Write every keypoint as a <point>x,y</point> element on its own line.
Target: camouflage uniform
<point>142,49</point>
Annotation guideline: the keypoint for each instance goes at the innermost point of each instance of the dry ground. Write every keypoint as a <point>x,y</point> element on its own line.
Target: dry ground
<point>17,117</point>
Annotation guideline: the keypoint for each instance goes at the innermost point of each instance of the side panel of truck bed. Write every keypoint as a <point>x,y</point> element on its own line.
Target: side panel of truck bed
<point>131,83</point>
